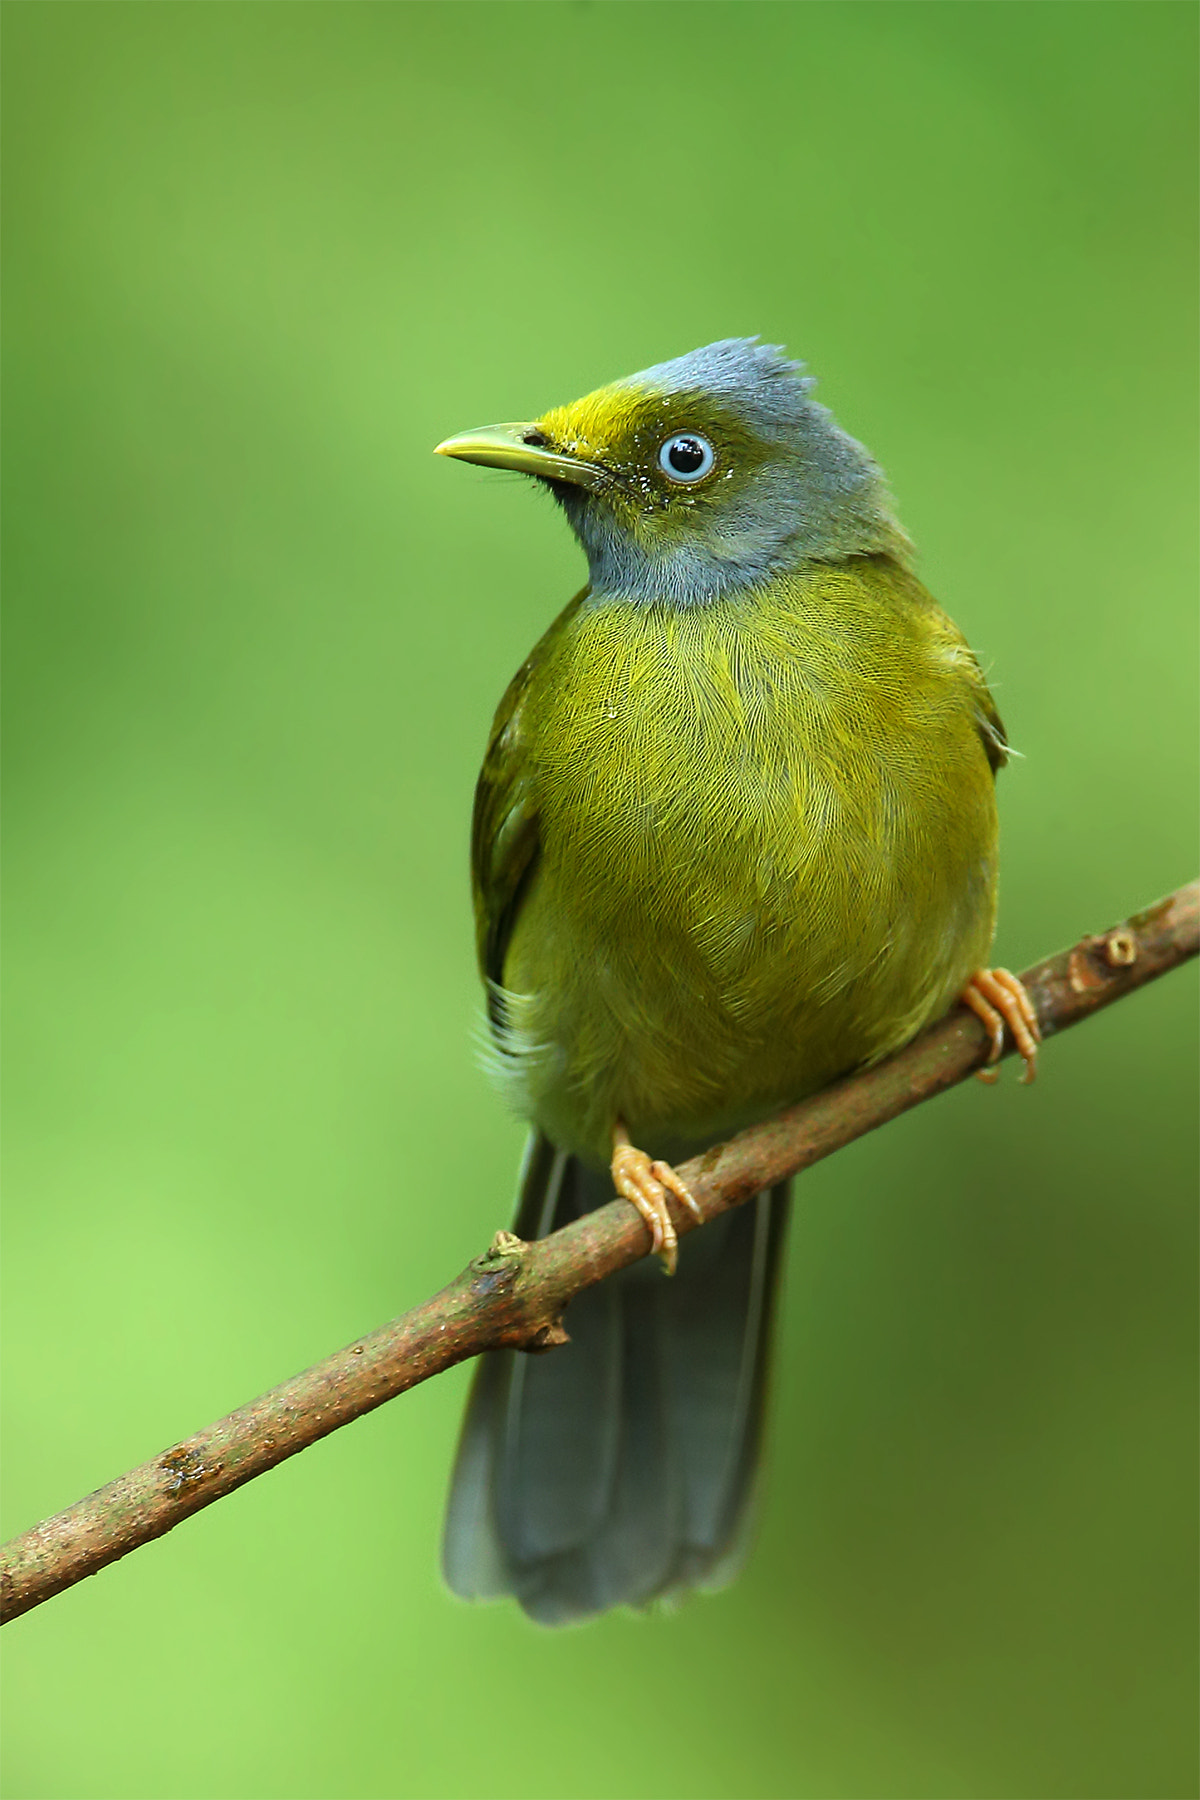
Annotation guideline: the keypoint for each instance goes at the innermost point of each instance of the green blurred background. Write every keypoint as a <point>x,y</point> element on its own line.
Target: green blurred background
<point>260,259</point>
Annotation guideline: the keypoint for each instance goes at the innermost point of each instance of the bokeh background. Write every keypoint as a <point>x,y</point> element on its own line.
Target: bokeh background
<point>259,260</point>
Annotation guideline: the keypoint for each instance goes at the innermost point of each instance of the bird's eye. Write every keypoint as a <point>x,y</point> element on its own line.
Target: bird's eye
<point>686,457</point>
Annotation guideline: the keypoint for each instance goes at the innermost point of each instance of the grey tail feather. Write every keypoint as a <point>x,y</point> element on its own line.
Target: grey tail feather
<point>620,1469</point>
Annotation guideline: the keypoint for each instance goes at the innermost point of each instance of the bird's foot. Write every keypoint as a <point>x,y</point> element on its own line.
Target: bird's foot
<point>646,1184</point>
<point>998,998</point>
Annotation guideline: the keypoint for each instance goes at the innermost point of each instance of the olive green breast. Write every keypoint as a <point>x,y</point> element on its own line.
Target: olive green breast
<point>765,848</point>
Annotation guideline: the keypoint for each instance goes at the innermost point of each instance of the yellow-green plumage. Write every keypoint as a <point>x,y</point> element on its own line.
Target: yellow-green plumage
<point>765,849</point>
<point>735,834</point>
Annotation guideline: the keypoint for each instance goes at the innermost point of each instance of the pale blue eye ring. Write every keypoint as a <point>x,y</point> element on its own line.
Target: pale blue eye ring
<point>686,457</point>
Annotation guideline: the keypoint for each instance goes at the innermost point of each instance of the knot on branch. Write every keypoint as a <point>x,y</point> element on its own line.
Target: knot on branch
<point>495,1277</point>
<point>546,1337</point>
<point>185,1471</point>
<point>1093,961</point>
<point>497,1269</point>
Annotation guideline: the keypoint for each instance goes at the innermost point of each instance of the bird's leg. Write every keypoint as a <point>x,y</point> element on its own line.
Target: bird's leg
<point>998,998</point>
<point>645,1184</point>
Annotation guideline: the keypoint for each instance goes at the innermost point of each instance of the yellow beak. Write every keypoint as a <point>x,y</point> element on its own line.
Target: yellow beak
<point>527,448</point>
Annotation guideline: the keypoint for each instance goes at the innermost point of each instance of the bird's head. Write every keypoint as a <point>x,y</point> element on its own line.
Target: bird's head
<point>700,476</point>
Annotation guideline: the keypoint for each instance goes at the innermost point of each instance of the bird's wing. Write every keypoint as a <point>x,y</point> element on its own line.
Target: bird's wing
<point>951,648</point>
<point>988,723</point>
<point>505,837</point>
<point>504,831</point>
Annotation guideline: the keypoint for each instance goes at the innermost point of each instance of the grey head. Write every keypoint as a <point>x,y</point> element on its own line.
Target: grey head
<point>711,474</point>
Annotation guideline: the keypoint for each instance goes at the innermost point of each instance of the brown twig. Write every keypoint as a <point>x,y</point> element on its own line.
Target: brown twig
<point>515,1294</point>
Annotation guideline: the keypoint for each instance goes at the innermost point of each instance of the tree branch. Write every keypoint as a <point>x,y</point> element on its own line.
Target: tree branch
<point>515,1294</point>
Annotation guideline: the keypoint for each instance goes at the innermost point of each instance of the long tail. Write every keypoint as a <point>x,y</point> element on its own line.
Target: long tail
<point>620,1468</point>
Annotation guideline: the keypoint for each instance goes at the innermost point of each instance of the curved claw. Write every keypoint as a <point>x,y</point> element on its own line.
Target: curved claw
<point>999,998</point>
<point>645,1184</point>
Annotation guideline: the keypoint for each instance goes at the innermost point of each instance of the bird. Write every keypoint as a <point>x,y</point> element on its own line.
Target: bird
<point>734,835</point>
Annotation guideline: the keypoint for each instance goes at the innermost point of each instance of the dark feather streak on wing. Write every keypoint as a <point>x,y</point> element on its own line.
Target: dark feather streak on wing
<point>504,836</point>
<point>988,722</point>
<point>991,733</point>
